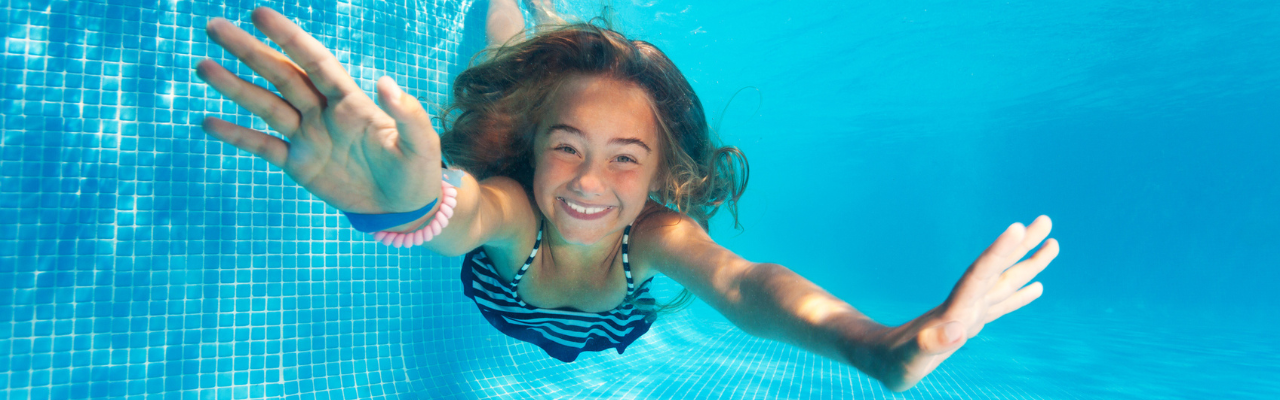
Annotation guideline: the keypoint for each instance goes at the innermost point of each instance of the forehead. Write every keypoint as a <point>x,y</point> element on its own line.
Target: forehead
<point>603,107</point>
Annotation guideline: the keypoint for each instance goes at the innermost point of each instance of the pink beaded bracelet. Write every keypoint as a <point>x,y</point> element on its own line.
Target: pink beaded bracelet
<point>428,231</point>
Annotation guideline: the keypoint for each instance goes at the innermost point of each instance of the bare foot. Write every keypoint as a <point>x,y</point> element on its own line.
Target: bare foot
<point>504,23</point>
<point>544,12</point>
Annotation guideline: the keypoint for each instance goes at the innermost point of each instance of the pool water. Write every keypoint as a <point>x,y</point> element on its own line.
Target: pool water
<point>890,142</point>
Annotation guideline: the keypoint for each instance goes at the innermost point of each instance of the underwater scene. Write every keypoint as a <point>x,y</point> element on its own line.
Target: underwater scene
<point>889,144</point>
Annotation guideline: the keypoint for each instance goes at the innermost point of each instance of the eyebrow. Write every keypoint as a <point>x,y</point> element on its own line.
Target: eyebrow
<point>575,131</point>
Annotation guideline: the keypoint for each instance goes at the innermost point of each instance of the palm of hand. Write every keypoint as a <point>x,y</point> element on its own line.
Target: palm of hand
<point>341,146</point>
<point>989,289</point>
<point>364,169</point>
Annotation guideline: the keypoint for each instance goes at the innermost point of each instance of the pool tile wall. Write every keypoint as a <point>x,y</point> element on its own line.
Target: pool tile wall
<point>140,258</point>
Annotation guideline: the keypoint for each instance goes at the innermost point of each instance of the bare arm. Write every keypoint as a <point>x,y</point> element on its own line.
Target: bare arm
<point>764,300</point>
<point>491,211</point>
<point>789,308</point>
<point>771,302</point>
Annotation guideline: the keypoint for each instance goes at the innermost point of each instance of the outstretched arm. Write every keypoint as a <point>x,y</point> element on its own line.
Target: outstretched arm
<point>772,302</point>
<point>338,144</point>
<point>764,300</point>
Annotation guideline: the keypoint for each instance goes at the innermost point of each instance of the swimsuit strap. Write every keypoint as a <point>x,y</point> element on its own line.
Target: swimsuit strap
<point>515,282</point>
<point>626,263</point>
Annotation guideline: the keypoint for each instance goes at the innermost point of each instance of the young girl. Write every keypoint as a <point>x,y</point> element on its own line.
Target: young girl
<point>589,170</point>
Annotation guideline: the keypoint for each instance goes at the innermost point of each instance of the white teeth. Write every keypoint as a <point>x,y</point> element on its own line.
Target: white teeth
<point>585,210</point>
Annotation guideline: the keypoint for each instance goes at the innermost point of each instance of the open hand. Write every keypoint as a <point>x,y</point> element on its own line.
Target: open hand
<point>341,146</point>
<point>989,289</point>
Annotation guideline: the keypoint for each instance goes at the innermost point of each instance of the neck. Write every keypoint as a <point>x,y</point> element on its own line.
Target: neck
<point>579,259</point>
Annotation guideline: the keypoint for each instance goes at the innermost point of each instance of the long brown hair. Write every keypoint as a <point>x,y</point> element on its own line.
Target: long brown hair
<point>498,103</point>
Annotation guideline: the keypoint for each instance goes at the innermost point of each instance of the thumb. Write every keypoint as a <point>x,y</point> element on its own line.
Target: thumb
<point>413,121</point>
<point>942,338</point>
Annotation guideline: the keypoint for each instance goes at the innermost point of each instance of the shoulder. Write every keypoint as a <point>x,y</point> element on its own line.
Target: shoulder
<point>661,238</point>
<point>677,246</point>
<point>506,194</point>
<point>504,185</point>
<point>657,223</point>
<point>508,217</point>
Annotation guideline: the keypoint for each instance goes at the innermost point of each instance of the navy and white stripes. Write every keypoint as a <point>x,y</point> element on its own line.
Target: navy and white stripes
<point>564,332</point>
<point>515,282</point>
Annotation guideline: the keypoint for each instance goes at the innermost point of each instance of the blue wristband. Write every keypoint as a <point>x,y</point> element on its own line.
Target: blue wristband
<point>378,222</point>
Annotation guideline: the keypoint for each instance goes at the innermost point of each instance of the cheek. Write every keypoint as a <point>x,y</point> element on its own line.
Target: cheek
<point>635,184</point>
<point>550,174</point>
<point>550,171</point>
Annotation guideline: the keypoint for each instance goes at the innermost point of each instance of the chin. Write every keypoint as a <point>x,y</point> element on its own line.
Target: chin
<point>581,235</point>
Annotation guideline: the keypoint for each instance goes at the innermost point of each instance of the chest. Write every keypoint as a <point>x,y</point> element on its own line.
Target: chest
<point>544,286</point>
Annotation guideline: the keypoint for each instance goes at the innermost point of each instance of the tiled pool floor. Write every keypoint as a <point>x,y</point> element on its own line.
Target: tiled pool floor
<point>1029,357</point>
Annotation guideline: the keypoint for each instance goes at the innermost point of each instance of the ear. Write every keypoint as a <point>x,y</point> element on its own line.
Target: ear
<point>659,180</point>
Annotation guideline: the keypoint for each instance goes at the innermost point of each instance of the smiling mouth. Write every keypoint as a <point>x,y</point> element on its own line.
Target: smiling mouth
<point>588,211</point>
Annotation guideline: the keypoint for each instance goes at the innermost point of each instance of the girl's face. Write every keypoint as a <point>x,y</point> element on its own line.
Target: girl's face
<point>596,157</point>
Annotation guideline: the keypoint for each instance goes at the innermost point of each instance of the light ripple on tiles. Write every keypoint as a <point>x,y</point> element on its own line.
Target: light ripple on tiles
<point>142,236</point>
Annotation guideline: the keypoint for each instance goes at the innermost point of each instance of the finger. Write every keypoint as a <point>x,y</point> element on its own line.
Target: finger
<point>270,148</point>
<point>979,278</point>
<point>1018,275</point>
<point>937,360</point>
<point>995,259</point>
<point>1036,232</point>
<point>288,78</point>
<point>326,73</point>
<point>412,121</point>
<point>915,375</point>
<point>941,338</point>
<point>1019,299</point>
<point>278,114</point>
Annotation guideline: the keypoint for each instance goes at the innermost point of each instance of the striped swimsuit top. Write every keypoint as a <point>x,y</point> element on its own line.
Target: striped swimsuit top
<point>562,332</point>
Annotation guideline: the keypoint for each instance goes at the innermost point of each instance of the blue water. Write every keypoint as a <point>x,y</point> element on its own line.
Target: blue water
<point>890,142</point>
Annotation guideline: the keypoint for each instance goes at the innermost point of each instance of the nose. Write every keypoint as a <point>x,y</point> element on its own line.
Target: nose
<point>589,181</point>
